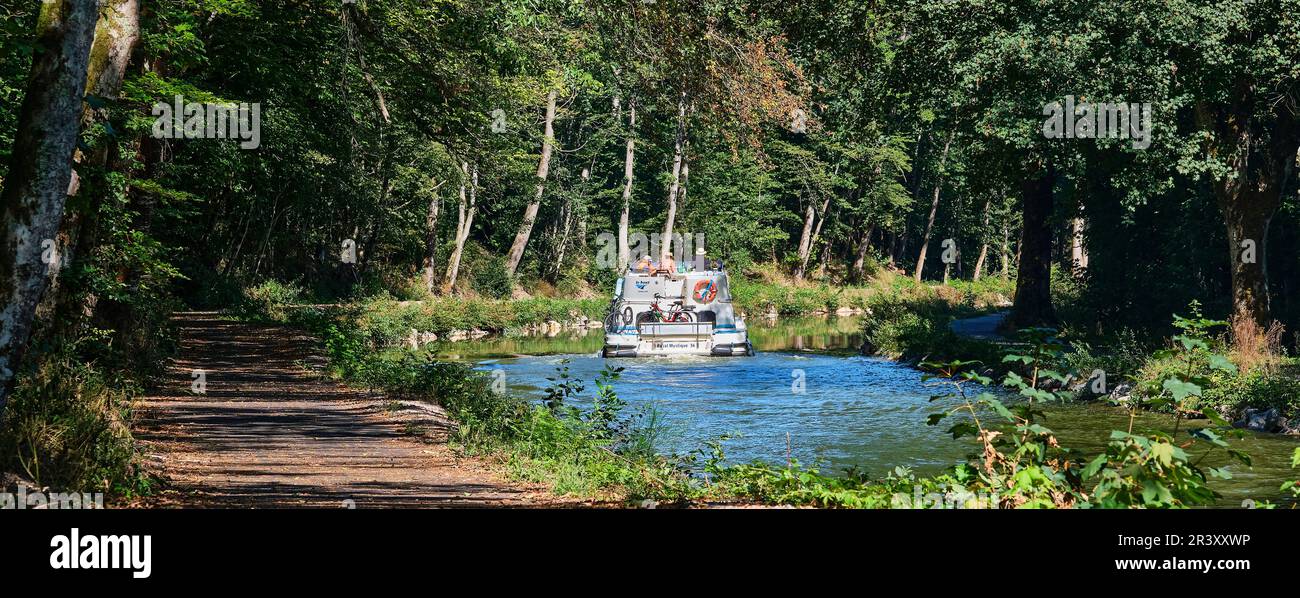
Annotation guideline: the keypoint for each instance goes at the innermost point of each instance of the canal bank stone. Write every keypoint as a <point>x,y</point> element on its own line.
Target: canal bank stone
<point>1260,420</point>
<point>417,339</point>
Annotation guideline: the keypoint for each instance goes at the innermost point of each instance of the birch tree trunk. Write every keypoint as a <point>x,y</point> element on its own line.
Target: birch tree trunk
<point>860,260</point>
<point>934,208</point>
<point>984,243</point>
<point>673,188</point>
<point>464,219</point>
<point>1078,253</point>
<point>116,37</point>
<point>40,170</point>
<point>624,253</point>
<point>809,237</point>
<point>530,212</point>
<point>431,239</point>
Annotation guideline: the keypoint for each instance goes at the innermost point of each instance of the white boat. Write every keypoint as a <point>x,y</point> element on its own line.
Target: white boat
<point>686,313</point>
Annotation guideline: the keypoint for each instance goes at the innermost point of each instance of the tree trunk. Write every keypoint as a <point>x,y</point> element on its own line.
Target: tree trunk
<point>805,241</point>
<point>40,170</point>
<point>806,252</point>
<point>893,250</point>
<point>530,212</point>
<point>1247,215</point>
<point>1006,245</point>
<point>116,37</point>
<point>1033,302</point>
<point>860,260</point>
<point>464,219</point>
<point>984,244</point>
<point>1249,197</point>
<point>934,207</point>
<point>979,262</point>
<point>431,239</point>
<point>1078,253</point>
<point>372,240</point>
<point>624,253</point>
<point>679,145</point>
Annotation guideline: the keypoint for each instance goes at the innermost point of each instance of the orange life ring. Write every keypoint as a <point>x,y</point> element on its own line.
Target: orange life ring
<point>705,291</point>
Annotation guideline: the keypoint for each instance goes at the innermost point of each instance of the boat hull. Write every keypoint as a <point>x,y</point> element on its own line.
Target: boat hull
<point>664,341</point>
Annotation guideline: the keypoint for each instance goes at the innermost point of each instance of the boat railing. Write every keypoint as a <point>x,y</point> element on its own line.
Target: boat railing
<point>676,329</point>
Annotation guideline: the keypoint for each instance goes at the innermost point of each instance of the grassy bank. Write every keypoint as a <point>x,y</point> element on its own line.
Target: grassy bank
<point>912,323</point>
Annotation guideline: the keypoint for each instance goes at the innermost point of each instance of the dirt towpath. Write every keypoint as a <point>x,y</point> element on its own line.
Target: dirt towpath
<point>269,432</point>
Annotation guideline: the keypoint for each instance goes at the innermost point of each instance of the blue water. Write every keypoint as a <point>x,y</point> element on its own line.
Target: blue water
<point>852,411</point>
<point>843,405</point>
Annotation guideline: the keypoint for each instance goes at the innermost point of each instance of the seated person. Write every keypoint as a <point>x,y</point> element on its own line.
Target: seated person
<point>667,266</point>
<point>642,265</point>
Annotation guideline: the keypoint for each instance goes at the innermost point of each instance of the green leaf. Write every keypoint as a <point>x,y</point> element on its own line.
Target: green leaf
<point>997,406</point>
<point>963,429</point>
<point>1214,416</point>
<point>1181,389</point>
<point>1222,364</point>
<point>1163,452</point>
<point>1241,456</point>
<point>1207,435</point>
<point>1094,466</point>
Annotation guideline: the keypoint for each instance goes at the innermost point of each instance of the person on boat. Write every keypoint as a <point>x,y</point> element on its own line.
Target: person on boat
<point>667,266</point>
<point>701,261</point>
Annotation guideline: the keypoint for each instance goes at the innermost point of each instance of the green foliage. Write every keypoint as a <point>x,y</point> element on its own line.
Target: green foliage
<point>67,427</point>
<point>270,300</point>
<point>1230,393</point>
<point>1156,469</point>
<point>1023,466</point>
<point>797,485</point>
<point>1147,471</point>
<point>1293,485</point>
<point>493,280</point>
<point>915,326</point>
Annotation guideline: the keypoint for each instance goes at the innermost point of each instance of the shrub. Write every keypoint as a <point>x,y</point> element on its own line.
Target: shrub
<point>67,427</point>
<point>492,279</point>
<point>1229,393</point>
<point>1256,347</point>
<point>269,299</point>
<point>901,327</point>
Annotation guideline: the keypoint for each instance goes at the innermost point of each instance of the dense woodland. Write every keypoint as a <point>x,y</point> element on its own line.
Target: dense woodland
<point>481,148</point>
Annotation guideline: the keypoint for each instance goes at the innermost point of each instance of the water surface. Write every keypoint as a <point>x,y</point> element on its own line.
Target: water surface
<point>808,396</point>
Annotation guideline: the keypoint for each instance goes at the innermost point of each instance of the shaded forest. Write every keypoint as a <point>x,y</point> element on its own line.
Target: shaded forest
<point>456,148</point>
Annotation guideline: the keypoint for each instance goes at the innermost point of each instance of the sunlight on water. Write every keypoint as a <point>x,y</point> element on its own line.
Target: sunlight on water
<point>850,410</point>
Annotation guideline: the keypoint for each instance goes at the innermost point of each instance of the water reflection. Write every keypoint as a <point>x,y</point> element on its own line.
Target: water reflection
<point>832,334</point>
